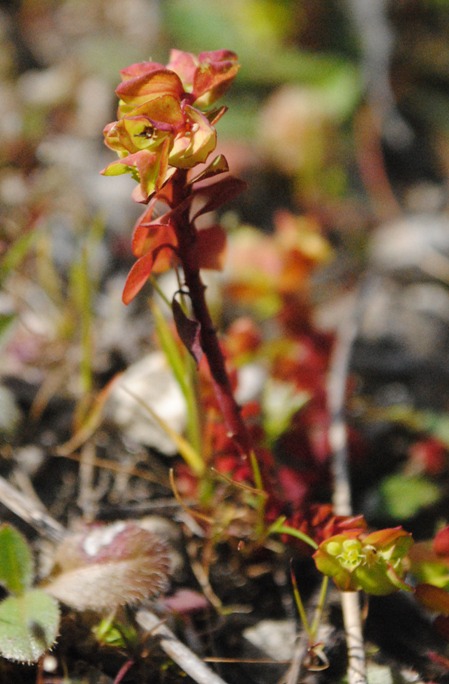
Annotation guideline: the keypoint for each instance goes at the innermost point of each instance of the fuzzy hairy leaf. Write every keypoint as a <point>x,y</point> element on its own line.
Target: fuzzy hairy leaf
<point>109,566</point>
<point>29,625</point>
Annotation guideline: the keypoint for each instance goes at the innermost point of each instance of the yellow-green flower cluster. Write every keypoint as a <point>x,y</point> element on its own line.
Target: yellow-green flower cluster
<point>162,125</point>
<point>374,563</point>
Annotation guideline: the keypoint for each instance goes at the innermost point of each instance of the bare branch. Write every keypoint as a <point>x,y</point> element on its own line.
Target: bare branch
<point>176,650</point>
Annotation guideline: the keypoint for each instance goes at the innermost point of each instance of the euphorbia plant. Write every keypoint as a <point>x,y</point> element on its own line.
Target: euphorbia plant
<point>164,132</point>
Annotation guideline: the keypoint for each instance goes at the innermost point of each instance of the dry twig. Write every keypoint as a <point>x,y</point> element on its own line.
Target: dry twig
<point>176,650</point>
<point>336,394</point>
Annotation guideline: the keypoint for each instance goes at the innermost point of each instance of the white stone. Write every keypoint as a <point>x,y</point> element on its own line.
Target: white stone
<point>148,382</point>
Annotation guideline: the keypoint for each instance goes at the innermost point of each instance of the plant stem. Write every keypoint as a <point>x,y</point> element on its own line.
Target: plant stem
<point>320,607</point>
<point>186,234</point>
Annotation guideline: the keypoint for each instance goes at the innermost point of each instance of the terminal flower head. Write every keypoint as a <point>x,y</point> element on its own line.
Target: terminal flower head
<point>206,77</point>
<point>162,122</point>
<point>373,562</point>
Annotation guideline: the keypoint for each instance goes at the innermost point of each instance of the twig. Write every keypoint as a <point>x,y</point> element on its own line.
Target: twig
<point>371,164</point>
<point>22,481</point>
<point>89,495</point>
<point>176,650</point>
<point>25,508</point>
<point>352,620</point>
<point>336,392</point>
<point>294,671</point>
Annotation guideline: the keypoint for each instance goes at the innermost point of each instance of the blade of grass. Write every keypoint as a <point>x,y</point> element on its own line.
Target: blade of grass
<point>183,369</point>
<point>15,254</point>
<point>187,451</point>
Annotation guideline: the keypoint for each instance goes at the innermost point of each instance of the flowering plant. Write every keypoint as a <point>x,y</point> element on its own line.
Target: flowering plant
<point>161,123</point>
<point>164,129</point>
<point>373,562</point>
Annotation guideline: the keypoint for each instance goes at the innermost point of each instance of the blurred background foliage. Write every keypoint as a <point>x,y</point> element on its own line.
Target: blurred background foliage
<point>306,69</point>
<point>298,129</point>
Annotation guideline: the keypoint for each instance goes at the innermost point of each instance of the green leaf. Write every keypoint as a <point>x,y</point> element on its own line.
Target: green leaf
<point>182,367</point>
<point>404,496</point>
<point>16,561</point>
<point>29,625</point>
<point>278,527</point>
<point>15,254</point>
<point>114,633</point>
<point>191,20</point>
<point>6,321</point>
<point>281,400</point>
<point>431,572</point>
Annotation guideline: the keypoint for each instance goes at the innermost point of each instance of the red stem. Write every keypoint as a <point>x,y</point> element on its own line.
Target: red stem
<point>123,670</point>
<point>186,234</point>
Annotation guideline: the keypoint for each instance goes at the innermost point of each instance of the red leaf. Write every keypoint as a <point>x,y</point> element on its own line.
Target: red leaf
<point>163,257</point>
<point>160,240</point>
<point>189,331</point>
<point>186,601</point>
<point>219,193</point>
<point>137,277</point>
<point>158,260</point>
<point>169,215</point>
<point>386,537</point>
<point>433,598</point>
<point>430,455</point>
<point>217,166</point>
<point>141,225</point>
<point>441,625</point>
<point>149,238</point>
<point>441,542</point>
<point>215,115</point>
<point>211,248</point>
<point>149,83</point>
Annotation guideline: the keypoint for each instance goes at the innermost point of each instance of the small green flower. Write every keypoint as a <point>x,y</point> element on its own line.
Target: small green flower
<point>374,563</point>
<point>161,126</point>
